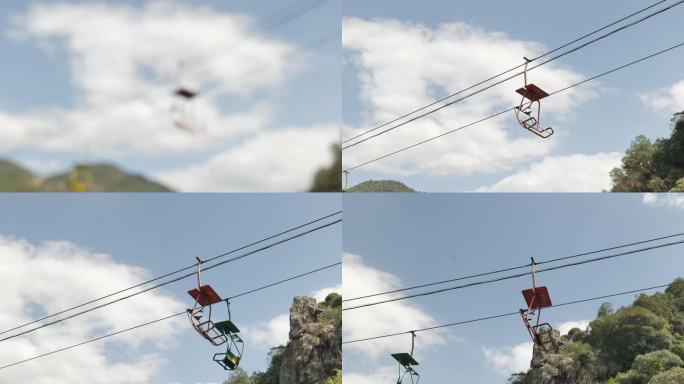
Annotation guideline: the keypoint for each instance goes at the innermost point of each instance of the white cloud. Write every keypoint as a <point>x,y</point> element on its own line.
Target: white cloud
<point>320,294</point>
<point>508,360</point>
<point>666,99</point>
<point>280,161</point>
<point>52,276</point>
<point>359,279</point>
<point>380,375</point>
<point>405,65</point>
<point>565,327</point>
<point>573,173</point>
<point>275,331</point>
<point>664,199</point>
<point>270,333</point>
<point>124,65</point>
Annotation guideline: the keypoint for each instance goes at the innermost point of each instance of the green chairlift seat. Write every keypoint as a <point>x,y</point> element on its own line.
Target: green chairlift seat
<point>405,359</point>
<point>233,355</point>
<point>406,364</point>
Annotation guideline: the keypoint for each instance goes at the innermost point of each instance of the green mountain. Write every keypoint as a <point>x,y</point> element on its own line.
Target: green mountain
<point>638,344</point>
<point>105,178</point>
<point>14,178</point>
<point>380,186</point>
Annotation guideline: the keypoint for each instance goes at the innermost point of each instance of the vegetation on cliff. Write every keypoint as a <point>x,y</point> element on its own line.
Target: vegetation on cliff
<point>638,344</point>
<point>313,355</point>
<point>653,166</point>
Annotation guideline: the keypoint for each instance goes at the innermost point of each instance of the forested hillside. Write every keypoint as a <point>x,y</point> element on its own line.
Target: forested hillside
<point>104,178</point>
<point>639,344</point>
<point>653,166</point>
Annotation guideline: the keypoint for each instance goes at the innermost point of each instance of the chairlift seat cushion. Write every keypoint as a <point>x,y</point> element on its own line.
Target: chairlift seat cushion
<point>404,359</point>
<point>537,298</point>
<point>205,295</point>
<point>227,327</point>
<point>532,92</point>
<point>185,93</point>
<point>228,360</point>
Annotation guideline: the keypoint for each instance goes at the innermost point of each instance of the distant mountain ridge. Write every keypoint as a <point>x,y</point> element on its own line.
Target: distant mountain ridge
<point>105,178</point>
<point>381,186</point>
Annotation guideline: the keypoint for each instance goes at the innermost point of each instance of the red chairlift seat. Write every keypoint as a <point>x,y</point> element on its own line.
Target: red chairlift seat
<point>205,295</point>
<point>532,92</point>
<point>185,93</point>
<point>528,112</point>
<point>537,298</point>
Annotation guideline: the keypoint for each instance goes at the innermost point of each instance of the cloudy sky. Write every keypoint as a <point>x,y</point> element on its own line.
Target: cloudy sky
<point>91,81</point>
<point>401,56</point>
<point>397,241</point>
<point>88,246</point>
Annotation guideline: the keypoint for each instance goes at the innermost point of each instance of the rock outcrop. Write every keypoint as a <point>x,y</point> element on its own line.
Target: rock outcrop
<point>314,351</point>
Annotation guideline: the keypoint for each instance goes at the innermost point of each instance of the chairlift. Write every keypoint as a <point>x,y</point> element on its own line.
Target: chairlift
<point>235,347</point>
<point>183,109</point>
<point>529,103</point>
<point>81,178</point>
<point>536,299</point>
<point>406,363</point>
<point>200,313</point>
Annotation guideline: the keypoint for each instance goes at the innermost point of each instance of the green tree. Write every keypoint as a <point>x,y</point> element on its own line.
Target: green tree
<point>337,379</point>
<point>238,376</point>
<point>653,166</point>
<point>381,186</point>
<point>605,309</point>
<point>673,376</point>
<point>628,333</point>
<point>330,179</point>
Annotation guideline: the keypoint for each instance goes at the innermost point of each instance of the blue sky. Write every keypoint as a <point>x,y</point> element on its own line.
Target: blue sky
<point>164,233</point>
<point>425,238</point>
<point>43,77</point>
<point>604,123</point>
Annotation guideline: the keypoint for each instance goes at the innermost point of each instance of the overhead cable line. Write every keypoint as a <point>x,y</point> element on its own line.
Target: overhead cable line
<point>191,267</point>
<point>272,22</point>
<point>162,319</point>
<point>322,226</point>
<point>285,280</point>
<point>517,313</point>
<point>514,68</point>
<point>514,268</point>
<point>508,277</point>
<point>511,109</point>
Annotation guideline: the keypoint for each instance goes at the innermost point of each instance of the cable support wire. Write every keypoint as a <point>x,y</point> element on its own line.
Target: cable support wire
<point>191,267</point>
<point>512,69</point>
<point>510,109</point>
<point>516,313</point>
<point>162,319</point>
<point>516,267</point>
<point>322,226</point>
<point>508,277</point>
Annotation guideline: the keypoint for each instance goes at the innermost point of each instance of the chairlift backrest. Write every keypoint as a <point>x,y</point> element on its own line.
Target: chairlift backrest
<point>537,297</point>
<point>205,295</point>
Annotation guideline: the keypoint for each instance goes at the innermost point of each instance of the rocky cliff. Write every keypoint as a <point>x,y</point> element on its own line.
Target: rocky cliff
<point>314,351</point>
